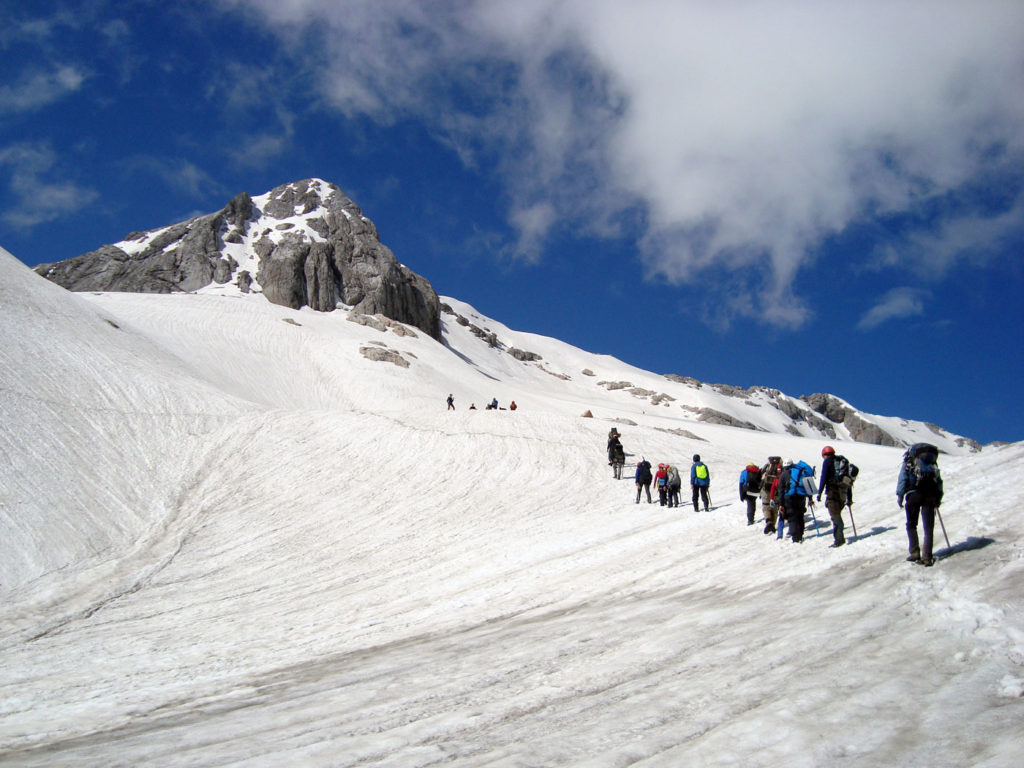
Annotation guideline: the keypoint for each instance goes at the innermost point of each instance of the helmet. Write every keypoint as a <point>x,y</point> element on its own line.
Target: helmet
<point>828,450</point>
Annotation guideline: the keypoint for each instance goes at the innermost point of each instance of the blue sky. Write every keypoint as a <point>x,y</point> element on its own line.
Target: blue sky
<point>809,196</point>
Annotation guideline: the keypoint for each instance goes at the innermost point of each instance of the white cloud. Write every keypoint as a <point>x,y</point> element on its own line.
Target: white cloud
<point>36,198</point>
<point>37,89</point>
<point>896,304</point>
<point>747,132</point>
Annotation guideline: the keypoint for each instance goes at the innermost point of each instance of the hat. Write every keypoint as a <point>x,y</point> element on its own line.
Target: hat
<point>696,457</point>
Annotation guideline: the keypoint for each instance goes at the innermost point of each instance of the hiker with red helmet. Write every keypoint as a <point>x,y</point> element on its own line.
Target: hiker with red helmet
<point>838,487</point>
<point>661,483</point>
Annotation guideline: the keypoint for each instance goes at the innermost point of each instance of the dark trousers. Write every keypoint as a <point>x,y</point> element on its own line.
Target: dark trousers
<point>796,508</point>
<point>673,495</point>
<point>751,509</point>
<point>702,492</point>
<point>835,504</point>
<point>920,506</point>
<point>645,486</point>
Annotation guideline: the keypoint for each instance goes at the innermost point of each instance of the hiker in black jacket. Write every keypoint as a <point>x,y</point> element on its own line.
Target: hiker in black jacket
<point>643,480</point>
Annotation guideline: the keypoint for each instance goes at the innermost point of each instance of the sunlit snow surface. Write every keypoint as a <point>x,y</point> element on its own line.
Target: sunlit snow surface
<point>228,538</point>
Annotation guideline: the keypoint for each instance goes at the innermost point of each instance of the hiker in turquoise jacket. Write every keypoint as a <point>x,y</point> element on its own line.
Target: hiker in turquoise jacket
<point>700,482</point>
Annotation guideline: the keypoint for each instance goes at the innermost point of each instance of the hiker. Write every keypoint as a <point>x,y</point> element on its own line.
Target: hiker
<point>451,402</point>
<point>769,474</point>
<point>472,406</point>
<point>920,483</point>
<point>613,440</point>
<point>777,502</point>
<point>795,493</point>
<point>493,405</point>
<point>512,406</point>
<point>700,482</point>
<point>837,483</point>
<point>675,483</point>
<point>616,457</point>
<point>750,487</point>
<point>661,482</point>
<point>643,479</point>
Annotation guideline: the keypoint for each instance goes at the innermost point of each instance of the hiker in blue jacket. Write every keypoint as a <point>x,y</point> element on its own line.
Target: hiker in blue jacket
<point>837,495</point>
<point>700,482</point>
<point>750,487</point>
<point>643,479</point>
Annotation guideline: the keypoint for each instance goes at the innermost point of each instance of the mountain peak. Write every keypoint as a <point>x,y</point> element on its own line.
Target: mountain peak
<point>304,243</point>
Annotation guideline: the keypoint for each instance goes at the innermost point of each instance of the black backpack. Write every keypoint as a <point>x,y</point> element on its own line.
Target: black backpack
<point>843,472</point>
<point>753,479</point>
<point>922,462</point>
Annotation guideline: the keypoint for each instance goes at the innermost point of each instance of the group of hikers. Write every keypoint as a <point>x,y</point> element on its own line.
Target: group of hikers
<point>491,406</point>
<point>785,488</point>
<point>667,480</point>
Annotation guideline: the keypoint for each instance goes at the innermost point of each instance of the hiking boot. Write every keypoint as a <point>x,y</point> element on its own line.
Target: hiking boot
<point>927,562</point>
<point>835,544</point>
<point>914,559</point>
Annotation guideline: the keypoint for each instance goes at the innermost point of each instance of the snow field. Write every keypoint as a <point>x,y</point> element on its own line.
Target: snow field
<point>300,558</point>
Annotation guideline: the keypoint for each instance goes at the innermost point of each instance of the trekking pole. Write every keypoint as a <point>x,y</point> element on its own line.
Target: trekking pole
<point>814,517</point>
<point>852,522</point>
<point>939,515</point>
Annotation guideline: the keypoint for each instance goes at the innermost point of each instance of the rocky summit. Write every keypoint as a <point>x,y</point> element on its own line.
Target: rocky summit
<point>301,244</point>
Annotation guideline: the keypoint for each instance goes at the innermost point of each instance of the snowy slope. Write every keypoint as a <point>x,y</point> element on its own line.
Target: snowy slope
<point>229,537</point>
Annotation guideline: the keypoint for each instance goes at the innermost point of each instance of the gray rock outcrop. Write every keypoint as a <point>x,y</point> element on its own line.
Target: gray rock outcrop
<point>311,246</point>
<point>860,430</point>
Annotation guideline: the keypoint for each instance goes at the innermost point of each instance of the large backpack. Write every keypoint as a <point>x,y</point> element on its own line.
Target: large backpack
<point>701,471</point>
<point>843,472</point>
<point>801,480</point>
<point>770,471</point>
<point>645,472</point>
<point>753,480</point>
<point>922,460</point>
<point>673,478</point>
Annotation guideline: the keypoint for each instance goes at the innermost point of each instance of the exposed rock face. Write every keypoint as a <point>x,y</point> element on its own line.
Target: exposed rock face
<point>307,243</point>
<point>860,430</point>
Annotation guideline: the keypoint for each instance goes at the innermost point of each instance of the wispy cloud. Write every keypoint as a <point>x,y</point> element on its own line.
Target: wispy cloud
<point>34,90</point>
<point>747,133</point>
<point>36,196</point>
<point>896,304</point>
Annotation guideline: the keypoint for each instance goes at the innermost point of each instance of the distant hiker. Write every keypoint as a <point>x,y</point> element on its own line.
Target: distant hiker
<point>920,482</point>
<point>451,402</point>
<point>472,406</point>
<point>769,474</point>
<point>643,479</point>
<point>750,487</point>
<point>661,482</point>
<point>837,476</point>
<point>675,483</point>
<point>613,444</point>
<point>794,492</point>
<point>493,405</point>
<point>700,482</point>
<point>617,457</point>
<point>512,406</point>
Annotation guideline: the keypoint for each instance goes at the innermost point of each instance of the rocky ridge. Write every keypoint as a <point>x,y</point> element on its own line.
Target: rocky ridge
<point>301,244</point>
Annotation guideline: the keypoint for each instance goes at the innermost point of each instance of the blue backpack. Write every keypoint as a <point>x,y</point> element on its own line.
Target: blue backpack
<point>798,474</point>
